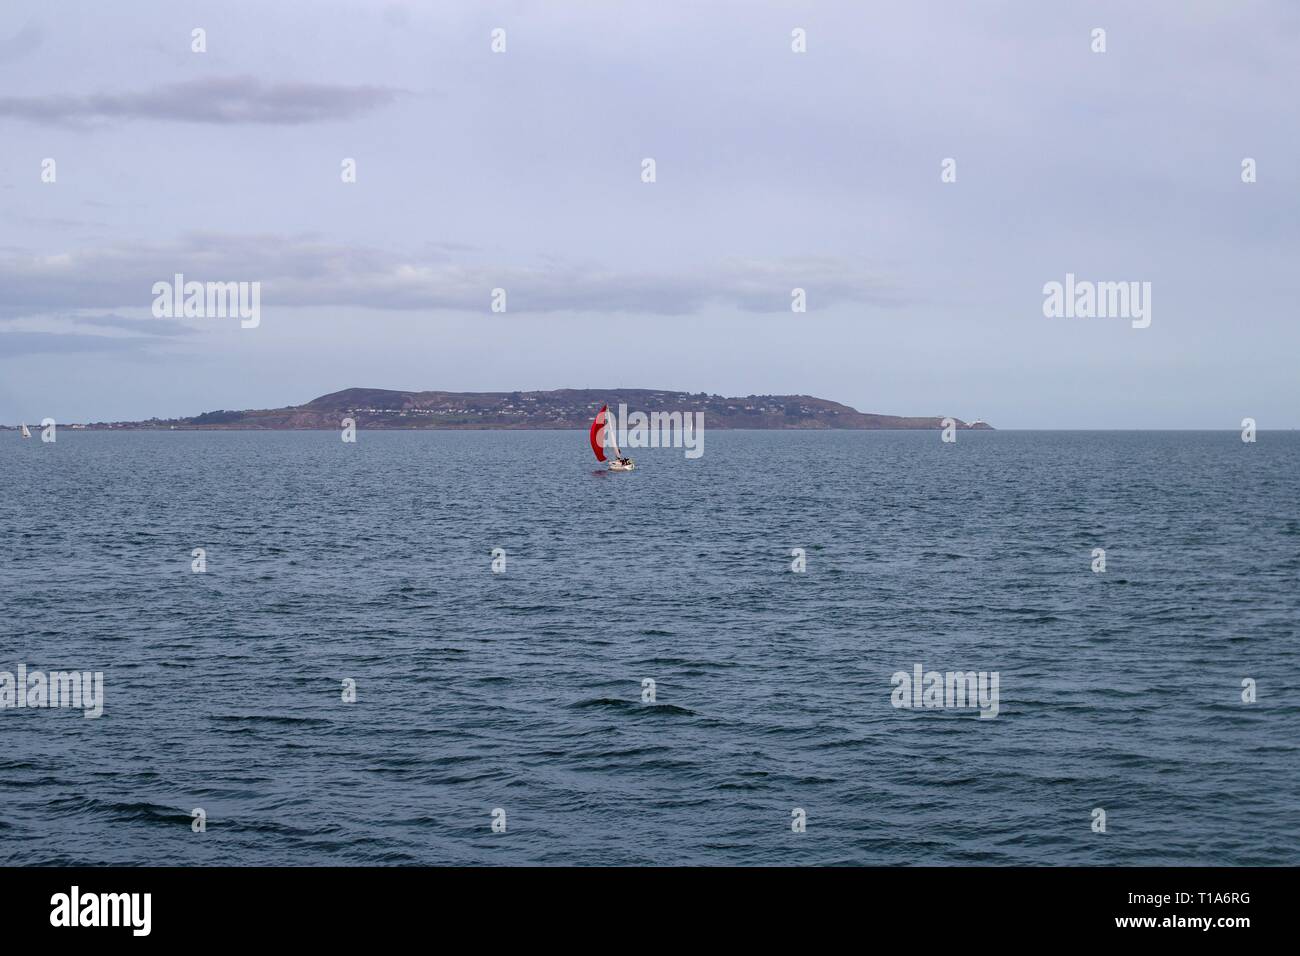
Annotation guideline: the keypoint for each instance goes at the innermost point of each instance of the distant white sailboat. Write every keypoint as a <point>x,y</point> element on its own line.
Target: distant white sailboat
<point>25,432</point>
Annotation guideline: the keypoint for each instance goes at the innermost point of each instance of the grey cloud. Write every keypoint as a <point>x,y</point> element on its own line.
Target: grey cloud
<point>56,222</point>
<point>397,16</point>
<point>14,344</point>
<point>306,271</point>
<point>222,100</point>
<point>156,328</point>
<point>147,333</point>
<point>25,41</point>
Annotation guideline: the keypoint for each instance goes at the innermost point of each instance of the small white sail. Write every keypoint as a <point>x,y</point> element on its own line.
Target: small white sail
<point>26,433</point>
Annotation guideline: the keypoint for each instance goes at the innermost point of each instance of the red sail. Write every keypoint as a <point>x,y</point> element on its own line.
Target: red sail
<point>598,433</point>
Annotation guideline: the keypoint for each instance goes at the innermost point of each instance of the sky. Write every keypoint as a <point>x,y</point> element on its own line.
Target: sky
<point>774,170</point>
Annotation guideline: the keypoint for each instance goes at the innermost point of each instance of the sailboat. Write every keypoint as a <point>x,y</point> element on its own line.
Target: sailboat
<point>597,437</point>
<point>25,432</point>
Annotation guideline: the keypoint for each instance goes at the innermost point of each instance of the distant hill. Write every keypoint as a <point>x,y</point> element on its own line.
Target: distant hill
<point>561,408</point>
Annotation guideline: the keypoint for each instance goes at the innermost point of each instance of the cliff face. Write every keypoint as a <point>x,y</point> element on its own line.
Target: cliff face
<point>562,408</point>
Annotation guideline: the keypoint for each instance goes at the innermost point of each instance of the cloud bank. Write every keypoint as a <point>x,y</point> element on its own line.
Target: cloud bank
<point>306,271</point>
<point>220,100</point>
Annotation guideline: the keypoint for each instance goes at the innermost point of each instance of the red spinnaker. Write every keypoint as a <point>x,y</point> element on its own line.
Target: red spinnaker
<point>598,433</point>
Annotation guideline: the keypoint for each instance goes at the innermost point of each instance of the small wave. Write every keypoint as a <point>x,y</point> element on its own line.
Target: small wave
<point>281,720</point>
<point>631,706</point>
<point>123,811</point>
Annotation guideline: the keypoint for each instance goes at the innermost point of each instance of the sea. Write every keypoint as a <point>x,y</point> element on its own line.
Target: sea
<point>481,647</point>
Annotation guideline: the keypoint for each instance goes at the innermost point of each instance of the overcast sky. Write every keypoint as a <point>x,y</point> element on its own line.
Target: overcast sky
<point>775,170</point>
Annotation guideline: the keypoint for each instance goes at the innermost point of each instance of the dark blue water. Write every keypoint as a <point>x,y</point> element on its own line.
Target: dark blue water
<point>522,690</point>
